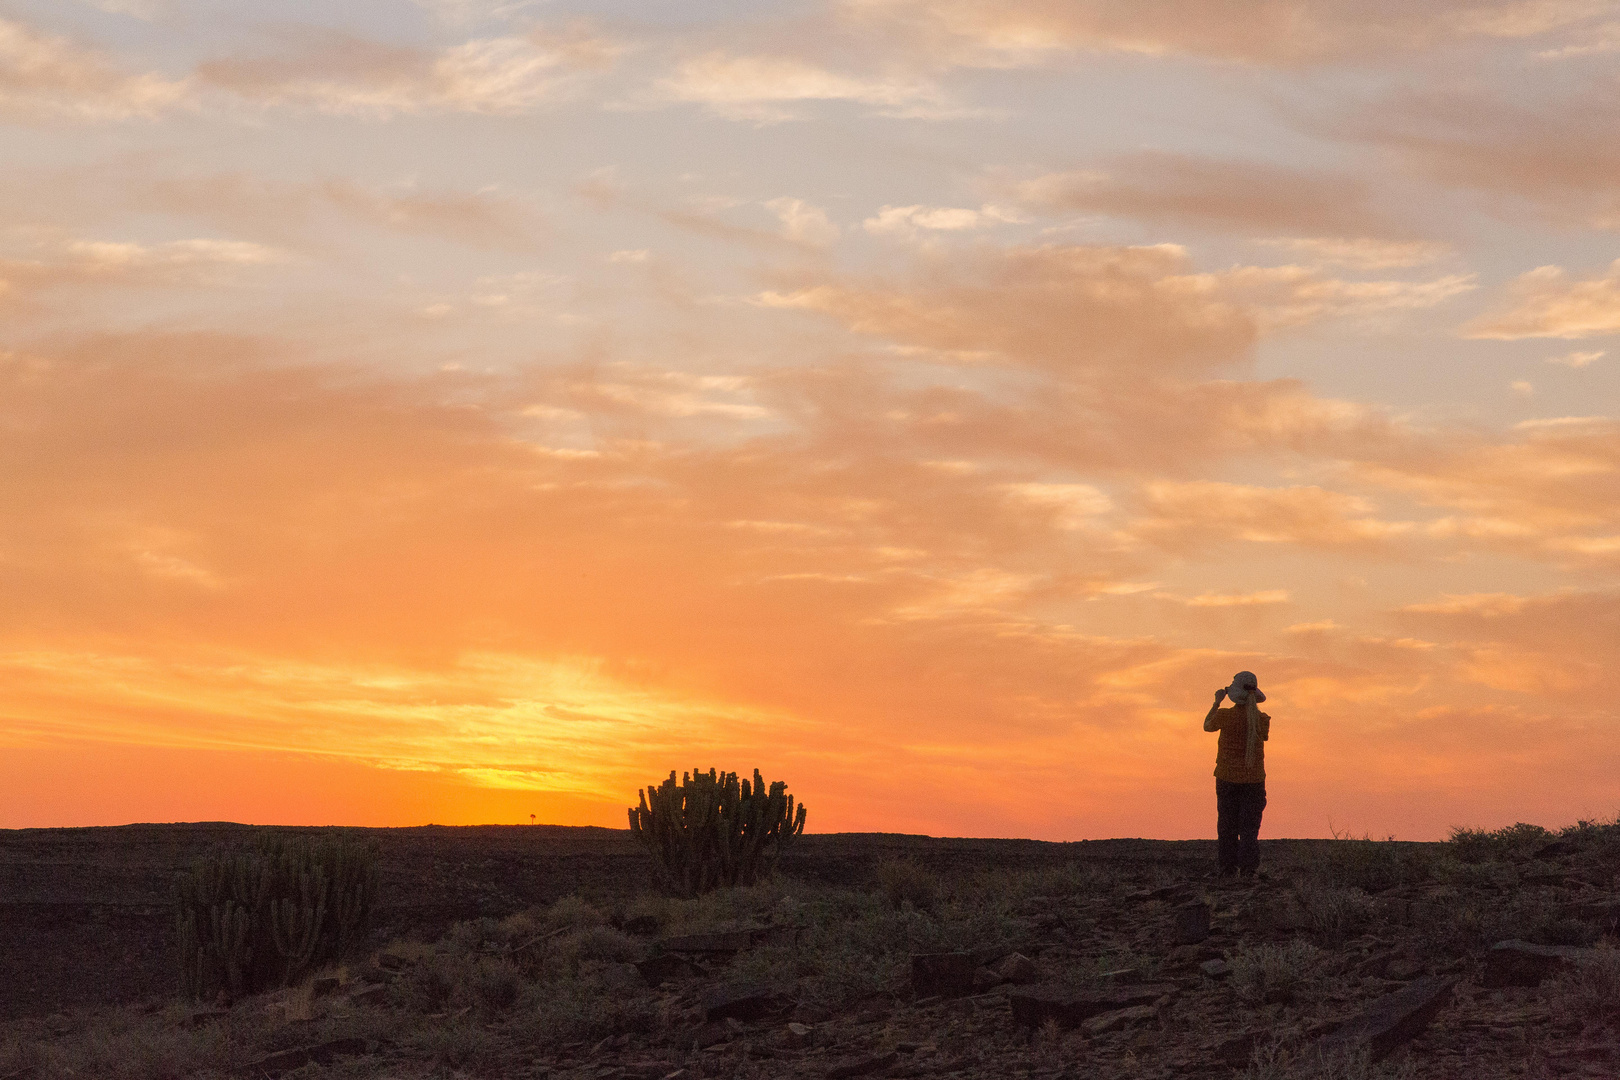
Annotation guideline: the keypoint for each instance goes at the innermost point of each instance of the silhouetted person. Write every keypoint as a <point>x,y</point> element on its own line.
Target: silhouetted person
<point>1240,773</point>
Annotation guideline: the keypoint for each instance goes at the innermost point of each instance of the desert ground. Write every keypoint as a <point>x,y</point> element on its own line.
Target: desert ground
<point>548,952</point>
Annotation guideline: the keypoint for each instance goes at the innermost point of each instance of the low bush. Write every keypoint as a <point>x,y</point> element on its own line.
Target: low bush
<point>1372,865</point>
<point>1482,845</point>
<point>1276,973</point>
<point>1287,1060</point>
<point>904,882</point>
<point>1589,992</point>
<point>1331,911</point>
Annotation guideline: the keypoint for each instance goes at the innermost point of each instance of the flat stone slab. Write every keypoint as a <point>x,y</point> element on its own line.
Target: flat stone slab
<point>746,1002</point>
<point>1393,1019</point>
<point>863,1066</point>
<point>943,974</point>
<point>296,1058</point>
<point>1192,922</point>
<point>1519,963</point>
<point>1111,1021</point>
<point>656,970</point>
<point>1035,1005</point>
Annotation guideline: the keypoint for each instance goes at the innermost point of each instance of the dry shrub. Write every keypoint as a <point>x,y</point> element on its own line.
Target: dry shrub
<point>1484,845</point>
<point>460,1044</point>
<point>905,882</point>
<point>1373,865</point>
<point>1330,910</point>
<point>1285,1060</point>
<point>1589,992</point>
<point>1276,973</point>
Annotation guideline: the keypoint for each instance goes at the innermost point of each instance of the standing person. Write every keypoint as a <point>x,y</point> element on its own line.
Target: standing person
<point>1240,774</point>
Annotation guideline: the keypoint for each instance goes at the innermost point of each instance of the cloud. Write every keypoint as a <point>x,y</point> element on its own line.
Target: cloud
<point>299,212</point>
<point>1215,193</point>
<point>1221,600</point>
<point>1282,33</point>
<point>1362,253</point>
<point>909,220</point>
<point>764,89</point>
<point>1546,303</point>
<point>43,76</point>
<point>1050,306</point>
<point>1577,359</point>
<point>803,223</point>
<point>1551,154</point>
<point>191,262</point>
<point>1193,514</point>
<point>340,73</point>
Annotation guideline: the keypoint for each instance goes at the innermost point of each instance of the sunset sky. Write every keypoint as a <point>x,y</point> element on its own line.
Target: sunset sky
<point>456,410</point>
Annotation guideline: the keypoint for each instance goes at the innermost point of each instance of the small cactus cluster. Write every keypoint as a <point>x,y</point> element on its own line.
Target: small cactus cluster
<point>712,829</point>
<point>264,917</point>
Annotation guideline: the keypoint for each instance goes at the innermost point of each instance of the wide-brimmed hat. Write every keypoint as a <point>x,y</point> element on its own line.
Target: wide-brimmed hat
<point>1243,685</point>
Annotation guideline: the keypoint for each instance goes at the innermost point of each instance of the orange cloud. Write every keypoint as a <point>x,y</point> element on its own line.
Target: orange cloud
<point>342,73</point>
<point>43,75</point>
<point>1545,303</point>
<point>1272,32</point>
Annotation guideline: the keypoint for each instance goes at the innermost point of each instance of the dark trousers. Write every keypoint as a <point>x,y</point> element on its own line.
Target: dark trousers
<point>1237,825</point>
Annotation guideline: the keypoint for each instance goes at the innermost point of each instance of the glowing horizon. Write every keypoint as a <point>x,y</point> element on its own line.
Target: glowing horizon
<point>452,410</point>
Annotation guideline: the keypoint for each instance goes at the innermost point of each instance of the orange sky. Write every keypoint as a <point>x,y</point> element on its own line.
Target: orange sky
<point>457,410</point>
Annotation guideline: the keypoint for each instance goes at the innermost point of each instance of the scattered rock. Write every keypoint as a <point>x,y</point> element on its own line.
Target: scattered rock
<point>1110,1021</point>
<point>1392,1020</point>
<point>656,970</point>
<point>798,1034</point>
<point>862,1066</point>
<point>1018,969</point>
<point>1604,913</point>
<point>1034,1006</point>
<point>373,993</point>
<point>296,1058</point>
<point>207,1014</point>
<point>986,979</point>
<point>943,974</point>
<point>1403,969</point>
<point>324,986</point>
<point>392,961</point>
<point>1192,922</point>
<point>1237,1049</point>
<point>746,1002</point>
<point>641,925</point>
<point>1215,969</point>
<point>726,941</point>
<point>1519,963</point>
<point>775,935</point>
<point>712,1033</point>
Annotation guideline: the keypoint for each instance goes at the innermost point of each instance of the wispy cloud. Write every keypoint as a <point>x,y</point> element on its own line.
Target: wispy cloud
<point>770,89</point>
<point>1548,303</point>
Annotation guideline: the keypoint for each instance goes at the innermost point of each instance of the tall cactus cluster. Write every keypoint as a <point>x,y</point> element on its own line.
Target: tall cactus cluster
<point>253,919</point>
<point>711,829</point>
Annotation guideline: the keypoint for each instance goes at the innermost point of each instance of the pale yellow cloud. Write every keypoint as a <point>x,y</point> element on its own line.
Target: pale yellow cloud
<point>766,88</point>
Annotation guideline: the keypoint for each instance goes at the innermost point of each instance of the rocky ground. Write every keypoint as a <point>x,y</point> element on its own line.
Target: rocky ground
<point>902,957</point>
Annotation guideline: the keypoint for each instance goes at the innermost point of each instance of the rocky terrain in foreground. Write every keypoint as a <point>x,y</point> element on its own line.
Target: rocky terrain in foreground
<point>1488,956</point>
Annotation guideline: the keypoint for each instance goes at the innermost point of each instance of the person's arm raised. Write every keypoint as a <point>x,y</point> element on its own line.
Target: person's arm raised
<point>1210,721</point>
